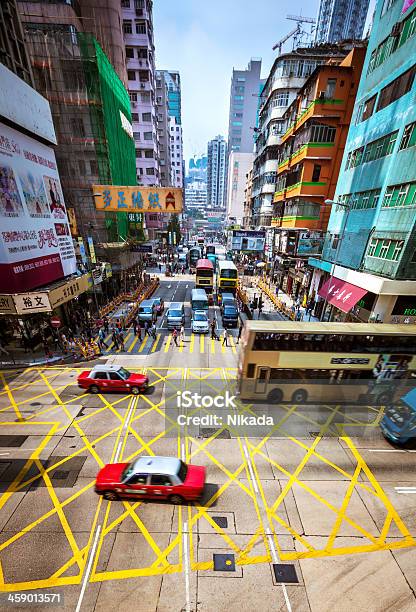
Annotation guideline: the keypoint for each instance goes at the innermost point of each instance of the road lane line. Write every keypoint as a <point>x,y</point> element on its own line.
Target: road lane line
<point>201,343</point>
<point>143,344</point>
<point>125,428</point>
<point>191,346</point>
<point>213,346</point>
<point>88,570</point>
<point>168,341</point>
<point>186,564</point>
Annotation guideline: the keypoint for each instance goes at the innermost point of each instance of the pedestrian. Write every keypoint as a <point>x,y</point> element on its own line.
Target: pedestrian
<point>118,324</point>
<point>260,309</point>
<point>114,338</point>
<point>101,338</point>
<point>152,331</point>
<point>106,325</point>
<point>134,323</point>
<point>240,329</point>
<point>225,337</point>
<point>146,328</point>
<point>182,334</point>
<point>120,339</point>
<point>160,267</point>
<point>139,331</point>
<point>213,325</point>
<point>175,336</point>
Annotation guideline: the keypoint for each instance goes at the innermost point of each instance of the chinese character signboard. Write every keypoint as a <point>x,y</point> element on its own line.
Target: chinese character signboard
<point>35,238</point>
<point>27,303</point>
<point>7,305</point>
<point>92,250</point>
<point>247,240</point>
<point>68,291</point>
<point>113,198</point>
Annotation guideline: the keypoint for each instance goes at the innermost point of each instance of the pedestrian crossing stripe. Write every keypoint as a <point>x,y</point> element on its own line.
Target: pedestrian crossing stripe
<point>135,345</point>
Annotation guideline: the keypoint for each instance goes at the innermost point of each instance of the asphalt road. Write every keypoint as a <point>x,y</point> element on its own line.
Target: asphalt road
<point>338,513</point>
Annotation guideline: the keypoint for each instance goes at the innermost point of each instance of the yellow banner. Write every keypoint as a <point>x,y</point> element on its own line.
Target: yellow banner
<point>114,198</point>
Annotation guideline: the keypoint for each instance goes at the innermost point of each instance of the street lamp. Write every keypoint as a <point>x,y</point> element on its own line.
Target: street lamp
<point>340,239</point>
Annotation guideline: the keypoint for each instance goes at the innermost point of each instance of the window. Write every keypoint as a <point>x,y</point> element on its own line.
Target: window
<point>409,135</point>
<point>135,116</point>
<point>368,108</point>
<point>129,52</point>
<point>160,480</point>
<point>238,115</point>
<point>77,126</point>
<point>396,89</point>
<point>238,97</point>
<point>148,154</point>
<point>280,98</point>
<point>148,135</point>
<point>330,88</point>
<point>141,171</point>
<point>139,479</point>
<point>316,173</point>
<point>138,153</point>
<point>136,135</point>
<point>384,248</point>
<point>133,96</point>
<point>142,53</point>
<point>140,27</point>
<point>131,75</point>
<point>150,171</point>
<point>125,3</point>
<point>100,376</point>
<point>401,32</point>
<point>82,167</point>
<point>400,195</point>
<point>146,117</point>
<point>145,96</point>
<point>114,376</point>
<point>354,158</point>
<point>127,27</point>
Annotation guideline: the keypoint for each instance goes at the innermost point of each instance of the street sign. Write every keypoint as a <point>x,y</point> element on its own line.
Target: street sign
<point>56,322</point>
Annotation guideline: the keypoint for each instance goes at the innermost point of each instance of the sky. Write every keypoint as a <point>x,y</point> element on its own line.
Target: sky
<point>205,40</point>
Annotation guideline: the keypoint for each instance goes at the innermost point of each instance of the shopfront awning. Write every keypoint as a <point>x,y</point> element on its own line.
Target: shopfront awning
<point>341,294</point>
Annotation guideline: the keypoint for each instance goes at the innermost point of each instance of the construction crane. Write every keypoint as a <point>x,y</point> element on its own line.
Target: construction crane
<point>297,32</point>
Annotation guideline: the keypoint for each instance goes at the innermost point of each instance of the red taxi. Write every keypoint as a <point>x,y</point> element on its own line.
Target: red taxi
<point>104,378</point>
<point>151,478</point>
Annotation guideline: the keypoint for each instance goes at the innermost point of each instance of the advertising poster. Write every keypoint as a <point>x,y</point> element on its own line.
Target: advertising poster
<point>35,239</point>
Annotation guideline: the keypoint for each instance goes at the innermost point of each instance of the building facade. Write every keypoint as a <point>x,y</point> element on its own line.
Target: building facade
<point>287,75</point>
<point>309,161</point>
<point>238,166</point>
<point>13,53</point>
<point>216,172</point>
<point>137,19</point>
<point>243,107</point>
<point>340,20</point>
<point>163,129</point>
<point>176,152</point>
<point>370,246</point>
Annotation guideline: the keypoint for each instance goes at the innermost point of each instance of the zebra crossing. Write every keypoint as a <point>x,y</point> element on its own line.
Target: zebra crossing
<point>163,342</point>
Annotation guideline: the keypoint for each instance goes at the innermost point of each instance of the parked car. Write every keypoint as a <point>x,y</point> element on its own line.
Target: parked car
<point>200,322</point>
<point>160,305</point>
<point>104,378</point>
<point>151,478</point>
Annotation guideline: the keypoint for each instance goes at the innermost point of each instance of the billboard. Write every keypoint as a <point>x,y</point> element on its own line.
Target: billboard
<point>247,240</point>
<point>35,237</point>
<point>127,199</point>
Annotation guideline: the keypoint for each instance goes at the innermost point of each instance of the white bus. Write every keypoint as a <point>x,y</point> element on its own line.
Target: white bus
<point>199,300</point>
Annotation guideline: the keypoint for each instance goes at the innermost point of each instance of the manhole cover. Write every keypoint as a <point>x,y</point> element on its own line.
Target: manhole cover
<point>221,521</point>
<point>285,572</point>
<point>12,441</point>
<point>224,563</point>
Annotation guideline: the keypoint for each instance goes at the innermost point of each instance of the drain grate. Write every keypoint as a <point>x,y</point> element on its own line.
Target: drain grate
<point>207,433</point>
<point>222,521</point>
<point>12,441</point>
<point>224,562</point>
<point>285,573</point>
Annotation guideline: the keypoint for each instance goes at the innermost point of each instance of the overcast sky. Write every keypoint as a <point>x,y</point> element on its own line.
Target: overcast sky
<point>205,40</point>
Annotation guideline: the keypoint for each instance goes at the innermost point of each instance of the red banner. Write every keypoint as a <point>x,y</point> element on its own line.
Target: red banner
<point>15,277</point>
<point>341,294</point>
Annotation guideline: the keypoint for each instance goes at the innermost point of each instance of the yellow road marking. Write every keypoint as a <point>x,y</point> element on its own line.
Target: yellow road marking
<point>168,341</point>
<point>191,346</point>
<point>155,343</point>
<point>222,344</point>
<point>213,346</point>
<point>233,348</point>
<point>133,344</point>
<point>201,343</point>
<point>11,398</point>
<point>143,344</point>
<point>181,346</point>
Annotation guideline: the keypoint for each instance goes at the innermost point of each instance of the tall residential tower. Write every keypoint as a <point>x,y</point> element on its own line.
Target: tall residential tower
<point>217,159</point>
<point>340,20</point>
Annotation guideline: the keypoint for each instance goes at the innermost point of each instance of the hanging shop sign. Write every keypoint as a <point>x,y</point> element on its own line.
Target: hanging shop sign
<point>72,221</point>
<point>92,250</point>
<point>66,292</point>
<point>29,303</point>
<point>56,322</point>
<point>7,305</point>
<point>128,199</point>
<point>82,251</point>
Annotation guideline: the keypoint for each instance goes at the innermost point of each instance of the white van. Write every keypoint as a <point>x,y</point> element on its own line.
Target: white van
<point>176,315</point>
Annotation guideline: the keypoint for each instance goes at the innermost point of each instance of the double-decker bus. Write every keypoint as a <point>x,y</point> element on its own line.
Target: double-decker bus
<point>286,361</point>
<point>204,275</point>
<point>227,277</point>
<point>193,254</point>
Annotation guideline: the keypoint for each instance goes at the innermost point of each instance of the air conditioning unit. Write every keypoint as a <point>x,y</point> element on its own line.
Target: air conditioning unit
<point>143,85</point>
